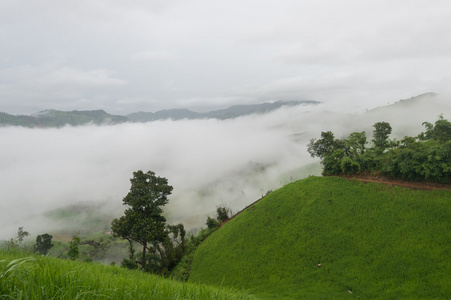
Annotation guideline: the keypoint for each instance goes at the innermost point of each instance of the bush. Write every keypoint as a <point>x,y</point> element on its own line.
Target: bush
<point>223,213</point>
<point>129,264</point>
<point>211,223</point>
<point>349,166</point>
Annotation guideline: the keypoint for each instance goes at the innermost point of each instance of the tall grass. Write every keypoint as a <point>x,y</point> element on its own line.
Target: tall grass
<point>329,238</point>
<point>32,277</point>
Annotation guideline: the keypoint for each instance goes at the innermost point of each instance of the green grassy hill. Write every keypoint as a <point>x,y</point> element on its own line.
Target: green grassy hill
<point>330,238</point>
<point>25,276</point>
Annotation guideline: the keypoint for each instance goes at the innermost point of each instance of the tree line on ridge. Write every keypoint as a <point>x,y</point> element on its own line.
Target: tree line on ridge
<point>425,157</point>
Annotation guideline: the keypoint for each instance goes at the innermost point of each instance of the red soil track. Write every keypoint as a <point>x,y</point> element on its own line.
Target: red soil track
<point>423,185</point>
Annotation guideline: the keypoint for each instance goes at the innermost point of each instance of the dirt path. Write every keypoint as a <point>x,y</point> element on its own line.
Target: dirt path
<point>399,182</point>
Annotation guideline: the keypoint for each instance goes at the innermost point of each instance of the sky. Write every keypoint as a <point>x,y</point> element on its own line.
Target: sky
<point>128,56</point>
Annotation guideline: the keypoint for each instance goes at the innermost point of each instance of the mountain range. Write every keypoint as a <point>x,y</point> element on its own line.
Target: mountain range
<point>57,118</point>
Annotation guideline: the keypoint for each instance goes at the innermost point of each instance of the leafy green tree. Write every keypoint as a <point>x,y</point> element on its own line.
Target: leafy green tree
<point>332,163</point>
<point>323,147</point>
<point>211,223</point>
<point>425,157</point>
<point>440,131</point>
<point>437,164</point>
<point>74,251</point>
<point>143,221</point>
<point>349,166</point>
<point>43,243</point>
<point>355,144</point>
<point>382,131</point>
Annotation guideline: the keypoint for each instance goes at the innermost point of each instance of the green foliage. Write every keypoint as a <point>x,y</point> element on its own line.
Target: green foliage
<point>323,147</point>
<point>182,270</point>
<point>23,277</point>
<point>144,223</point>
<point>381,132</point>
<point>437,164</point>
<point>440,131</point>
<point>349,166</point>
<point>43,243</point>
<point>74,251</point>
<point>374,240</point>
<point>332,162</point>
<point>355,144</point>
<point>129,263</point>
<point>223,213</point>
<point>427,157</point>
<point>211,223</point>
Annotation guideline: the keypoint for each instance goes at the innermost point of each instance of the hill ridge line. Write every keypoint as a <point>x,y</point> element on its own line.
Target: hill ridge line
<point>366,179</point>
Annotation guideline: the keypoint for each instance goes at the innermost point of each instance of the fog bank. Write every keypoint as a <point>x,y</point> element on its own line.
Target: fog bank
<point>208,162</point>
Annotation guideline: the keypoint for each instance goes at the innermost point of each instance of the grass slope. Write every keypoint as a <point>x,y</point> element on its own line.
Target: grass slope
<point>25,276</point>
<point>373,241</point>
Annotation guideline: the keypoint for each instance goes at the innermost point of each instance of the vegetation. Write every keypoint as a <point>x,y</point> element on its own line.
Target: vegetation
<point>314,239</point>
<point>43,243</point>
<point>21,234</point>
<point>182,270</point>
<point>144,223</point>
<point>330,238</point>
<point>223,213</point>
<point>25,276</point>
<point>74,251</point>
<point>425,157</point>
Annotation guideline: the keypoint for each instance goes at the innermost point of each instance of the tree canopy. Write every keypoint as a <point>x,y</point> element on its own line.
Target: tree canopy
<point>43,243</point>
<point>143,222</point>
<point>424,157</point>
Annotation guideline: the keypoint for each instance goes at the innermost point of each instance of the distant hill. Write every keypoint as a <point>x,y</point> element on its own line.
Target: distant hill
<point>227,113</point>
<point>330,238</point>
<point>426,106</point>
<point>56,118</point>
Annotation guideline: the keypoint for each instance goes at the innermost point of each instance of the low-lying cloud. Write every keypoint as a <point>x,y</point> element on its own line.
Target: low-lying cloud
<point>208,162</point>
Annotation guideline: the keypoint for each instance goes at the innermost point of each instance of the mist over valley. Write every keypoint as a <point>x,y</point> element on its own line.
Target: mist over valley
<point>209,162</point>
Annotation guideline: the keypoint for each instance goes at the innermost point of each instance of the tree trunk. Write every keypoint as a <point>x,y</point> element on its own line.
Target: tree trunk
<point>143,259</point>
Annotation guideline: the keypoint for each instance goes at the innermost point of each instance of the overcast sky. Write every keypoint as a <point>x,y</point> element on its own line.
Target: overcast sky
<point>126,56</point>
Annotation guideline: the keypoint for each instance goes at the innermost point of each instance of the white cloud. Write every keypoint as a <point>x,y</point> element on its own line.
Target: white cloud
<point>153,56</point>
<point>171,51</point>
<point>54,85</point>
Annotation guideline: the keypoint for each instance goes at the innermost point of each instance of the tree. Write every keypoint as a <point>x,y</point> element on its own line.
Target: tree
<point>74,251</point>
<point>21,234</point>
<point>355,144</point>
<point>349,166</point>
<point>143,221</point>
<point>441,131</point>
<point>324,146</point>
<point>43,243</point>
<point>332,163</point>
<point>212,223</point>
<point>380,136</point>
